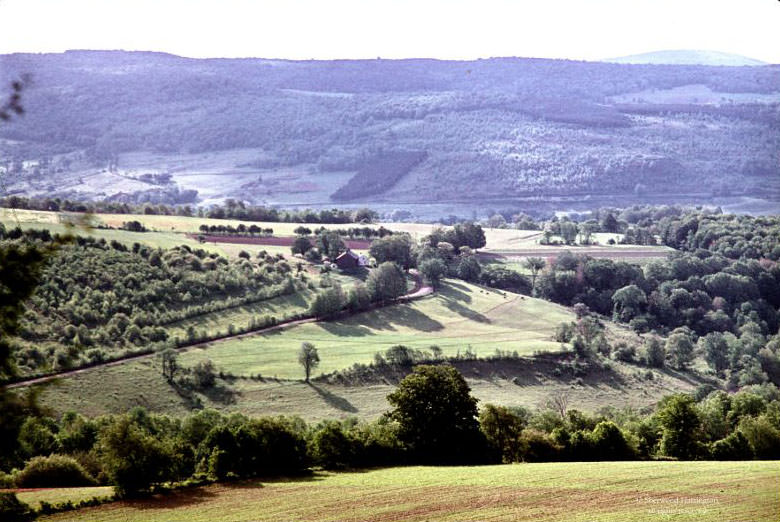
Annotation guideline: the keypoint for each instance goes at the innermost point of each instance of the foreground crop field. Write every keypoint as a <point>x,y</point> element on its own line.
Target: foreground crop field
<point>458,317</point>
<point>611,491</point>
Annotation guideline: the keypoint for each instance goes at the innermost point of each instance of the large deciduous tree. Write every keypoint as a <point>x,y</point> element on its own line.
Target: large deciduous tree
<point>386,282</point>
<point>437,416</point>
<point>397,248</point>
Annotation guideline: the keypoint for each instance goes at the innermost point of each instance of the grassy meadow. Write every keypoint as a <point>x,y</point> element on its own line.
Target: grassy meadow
<point>458,316</point>
<point>608,491</point>
<point>34,497</point>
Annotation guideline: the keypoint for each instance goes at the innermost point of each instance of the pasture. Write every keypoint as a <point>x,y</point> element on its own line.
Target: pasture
<point>116,389</point>
<point>458,317</point>
<point>609,491</point>
<point>35,496</point>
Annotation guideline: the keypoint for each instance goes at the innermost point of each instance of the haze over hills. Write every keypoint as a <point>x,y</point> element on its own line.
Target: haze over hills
<point>688,57</point>
<point>433,136</point>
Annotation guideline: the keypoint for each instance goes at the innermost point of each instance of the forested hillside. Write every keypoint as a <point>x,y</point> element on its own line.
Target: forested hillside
<point>402,131</point>
<point>102,300</point>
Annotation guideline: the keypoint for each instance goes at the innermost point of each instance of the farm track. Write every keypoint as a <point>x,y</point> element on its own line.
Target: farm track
<point>420,290</point>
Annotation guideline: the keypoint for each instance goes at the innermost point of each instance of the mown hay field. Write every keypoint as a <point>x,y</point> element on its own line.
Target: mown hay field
<point>608,491</point>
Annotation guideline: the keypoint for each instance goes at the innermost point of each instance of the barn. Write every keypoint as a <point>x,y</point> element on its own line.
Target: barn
<point>348,260</point>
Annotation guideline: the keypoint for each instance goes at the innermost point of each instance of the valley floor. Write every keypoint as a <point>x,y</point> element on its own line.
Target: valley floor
<point>609,491</point>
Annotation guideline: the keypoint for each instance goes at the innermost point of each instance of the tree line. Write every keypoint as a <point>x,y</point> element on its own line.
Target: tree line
<point>433,419</point>
<point>231,209</point>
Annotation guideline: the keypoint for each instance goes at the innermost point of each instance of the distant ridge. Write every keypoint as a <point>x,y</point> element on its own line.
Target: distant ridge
<point>688,57</point>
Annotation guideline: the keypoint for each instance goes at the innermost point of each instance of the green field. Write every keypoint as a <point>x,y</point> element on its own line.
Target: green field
<point>56,495</point>
<point>609,491</point>
<point>457,317</point>
<point>282,307</point>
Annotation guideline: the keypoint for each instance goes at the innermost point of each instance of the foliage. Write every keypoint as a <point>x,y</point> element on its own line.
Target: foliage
<point>433,270</point>
<point>680,422</point>
<point>133,458</point>
<point>379,173</point>
<point>13,510</point>
<point>97,300</point>
<point>437,416</point>
<point>386,282</point>
<point>396,248</point>
<point>308,358</point>
<point>53,471</point>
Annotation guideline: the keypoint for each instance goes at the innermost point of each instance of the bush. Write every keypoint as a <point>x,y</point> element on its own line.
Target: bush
<point>624,352</point>
<point>14,510</point>
<point>537,446</point>
<point>609,443</point>
<point>733,447</point>
<point>204,374</point>
<point>331,448</point>
<point>54,471</point>
<point>762,436</point>
<point>6,481</point>
<point>655,354</point>
<point>133,459</point>
<point>564,332</point>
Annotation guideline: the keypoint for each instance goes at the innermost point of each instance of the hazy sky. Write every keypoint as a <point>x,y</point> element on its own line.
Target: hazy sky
<point>451,29</point>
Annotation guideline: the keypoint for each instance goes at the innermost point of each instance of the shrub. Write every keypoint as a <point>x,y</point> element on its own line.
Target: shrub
<point>537,446</point>
<point>6,481</point>
<point>733,447</point>
<point>624,352</point>
<point>762,436</point>
<point>204,374</point>
<point>14,510</point>
<point>331,448</point>
<point>133,459</point>
<point>609,443</point>
<point>564,332</point>
<point>53,471</point>
<point>655,354</point>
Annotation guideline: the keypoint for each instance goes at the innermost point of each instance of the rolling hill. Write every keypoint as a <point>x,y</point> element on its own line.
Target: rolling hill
<point>689,57</point>
<point>435,137</point>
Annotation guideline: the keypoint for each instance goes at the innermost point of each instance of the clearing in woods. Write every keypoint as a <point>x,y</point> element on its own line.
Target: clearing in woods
<point>608,491</point>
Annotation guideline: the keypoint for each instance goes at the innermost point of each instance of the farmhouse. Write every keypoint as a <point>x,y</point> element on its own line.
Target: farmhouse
<point>349,260</point>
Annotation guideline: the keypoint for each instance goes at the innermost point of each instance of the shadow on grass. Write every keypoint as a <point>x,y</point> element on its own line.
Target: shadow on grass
<point>342,329</point>
<point>455,291</point>
<point>172,500</point>
<point>466,312</point>
<point>333,400</point>
<point>691,379</point>
<point>221,394</point>
<point>387,318</point>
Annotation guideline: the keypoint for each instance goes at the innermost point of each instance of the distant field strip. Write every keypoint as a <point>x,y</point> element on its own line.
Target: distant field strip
<point>457,317</point>
<point>608,491</point>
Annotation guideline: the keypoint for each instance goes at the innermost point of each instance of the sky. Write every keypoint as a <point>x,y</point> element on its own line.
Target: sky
<point>445,29</point>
